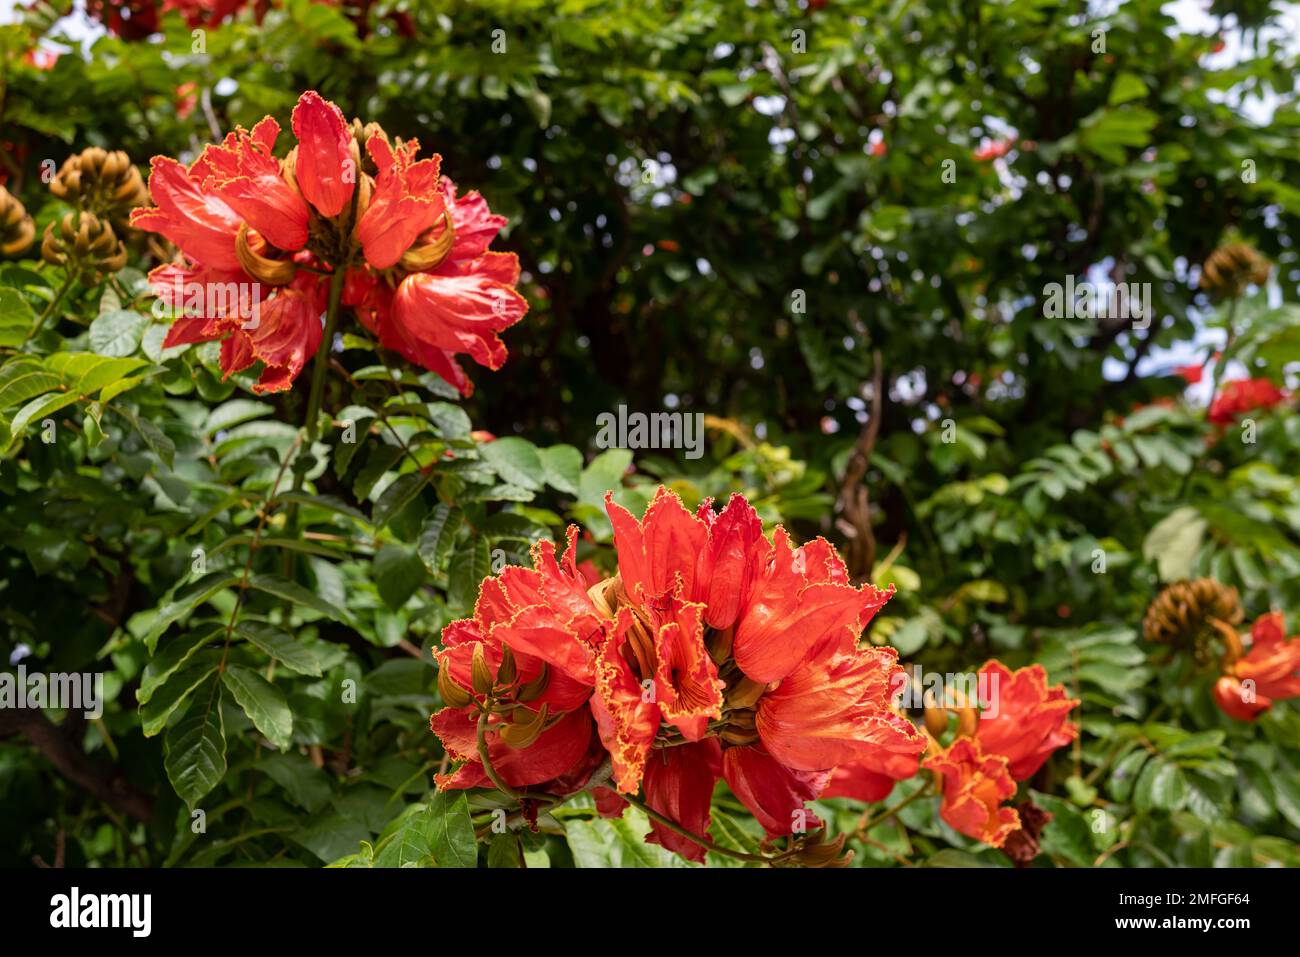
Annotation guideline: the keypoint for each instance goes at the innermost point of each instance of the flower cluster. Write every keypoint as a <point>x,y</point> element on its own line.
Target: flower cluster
<point>1244,395</point>
<point>347,211</point>
<point>712,653</point>
<point>1269,671</point>
<point>993,751</point>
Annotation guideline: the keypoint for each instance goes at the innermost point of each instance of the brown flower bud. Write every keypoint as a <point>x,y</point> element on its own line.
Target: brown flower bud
<point>479,673</point>
<point>453,695</point>
<point>509,671</point>
<point>248,250</point>
<point>524,727</point>
<point>1231,268</point>
<point>1182,616</point>
<point>102,182</point>
<point>16,228</point>
<point>83,241</point>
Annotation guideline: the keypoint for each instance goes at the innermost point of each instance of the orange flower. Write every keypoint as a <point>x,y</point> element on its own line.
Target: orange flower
<point>1029,722</point>
<point>525,661</point>
<point>416,264</point>
<point>716,634</point>
<point>975,784</point>
<point>1244,395</point>
<point>1268,672</point>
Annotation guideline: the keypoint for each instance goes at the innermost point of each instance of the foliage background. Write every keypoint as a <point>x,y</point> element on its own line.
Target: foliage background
<point>677,179</point>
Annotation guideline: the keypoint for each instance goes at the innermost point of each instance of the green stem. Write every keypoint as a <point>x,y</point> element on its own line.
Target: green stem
<point>312,424</point>
<point>703,842</point>
<point>321,364</point>
<point>49,310</point>
<point>487,760</point>
<point>867,825</point>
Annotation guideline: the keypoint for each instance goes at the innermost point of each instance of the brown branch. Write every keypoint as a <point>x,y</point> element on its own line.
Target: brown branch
<point>102,781</point>
<point>854,502</point>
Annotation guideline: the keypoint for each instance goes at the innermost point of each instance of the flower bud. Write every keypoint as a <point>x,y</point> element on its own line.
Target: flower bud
<point>83,241</point>
<point>479,672</point>
<point>524,727</point>
<point>273,272</point>
<point>453,695</point>
<point>429,255</point>
<point>509,671</point>
<point>533,689</point>
<point>16,228</point>
<point>102,182</point>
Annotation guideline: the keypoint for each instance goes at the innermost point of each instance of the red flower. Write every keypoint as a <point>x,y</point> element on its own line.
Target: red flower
<point>1244,395</point>
<point>995,149</point>
<point>975,784</point>
<point>1191,374</point>
<point>1268,672</point>
<point>456,306</point>
<point>418,269</point>
<point>525,661</point>
<point>715,634</point>
<point>1029,722</point>
<point>714,653</point>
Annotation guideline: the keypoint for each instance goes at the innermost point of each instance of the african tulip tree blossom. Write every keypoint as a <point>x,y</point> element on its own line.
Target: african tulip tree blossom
<point>346,205</point>
<point>522,665</point>
<point>1030,720</point>
<point>1268,672</point>
<point>974,786</point>
<point>715,633</point>
<point>1241,396</point>
<point>1009,743</point>
<point>714,653</point>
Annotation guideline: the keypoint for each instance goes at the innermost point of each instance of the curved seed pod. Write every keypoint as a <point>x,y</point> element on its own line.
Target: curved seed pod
<point>421,258</point>
<point>273,272</point>
<point>479,672</point>
<point>533,689</point>
<point>453,695</point>
<point>524,728</point>
<point>16,228</point>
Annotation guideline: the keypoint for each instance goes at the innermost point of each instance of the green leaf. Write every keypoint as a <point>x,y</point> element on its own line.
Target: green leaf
<point>617,842</point>
<point>307,785</point>
<point>516,461</point>
<point>438,535</point>
<point>562,468</point>
<point>164,700</point>
<point>398,572</point>
<point>281,646</point>
<point>173,655</point>
<point>23,378</point>
<point>293,592</point>
<point>16,318</point>
<point>153,437</point>
<point>263,702</point>
<point>184,601</point>
<point>1125,775</point>
<point>196,752</point>
<point>469,566</point>
<point>503,852</point>
<point>1173,543</point>
<point>397,496</point>
<point>117,333</point>
<point>36,410</point>
<point>450,831</point>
